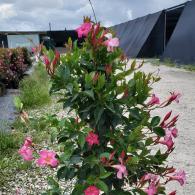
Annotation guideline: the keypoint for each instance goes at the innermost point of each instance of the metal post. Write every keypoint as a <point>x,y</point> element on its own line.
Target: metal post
<point>165,30</point>
<point>50,26</point>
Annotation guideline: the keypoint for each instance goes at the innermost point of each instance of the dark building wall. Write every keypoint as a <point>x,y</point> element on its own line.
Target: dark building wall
<point>181,46</point>
<point>3,40</point>
<point>61,37</point>
<point>154,45</point>
<point>135,35</point>
<point>172,17</point>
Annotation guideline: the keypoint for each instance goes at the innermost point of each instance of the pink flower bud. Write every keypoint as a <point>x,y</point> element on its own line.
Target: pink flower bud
<point>154,100</point>
<point>174,97</point>
<point>26,153</point>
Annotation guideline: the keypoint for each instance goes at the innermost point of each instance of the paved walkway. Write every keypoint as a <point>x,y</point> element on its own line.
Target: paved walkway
<point>7,111</point>
<point>7,108</point>
<point>183,157</point>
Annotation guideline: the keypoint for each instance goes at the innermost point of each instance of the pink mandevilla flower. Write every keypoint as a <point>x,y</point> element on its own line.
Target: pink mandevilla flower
<point>111,42</point>
<point>92,139</point>
<point>154,100</point>
<point>122,171</point>
<point>151,177</point>
<point>168,141</point>
<point>92,190</point>
<point>26,153</point>
<point>84,29</point>
<point>47,158</point>
<point>174,97</point>
<point>33,49</point>
<point>179,176</point>
<point>171,132</point>
<point>151,190</point>
<point>28,142</point>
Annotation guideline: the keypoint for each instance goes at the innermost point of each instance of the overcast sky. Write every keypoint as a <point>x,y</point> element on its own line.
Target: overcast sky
<point>36,14</point>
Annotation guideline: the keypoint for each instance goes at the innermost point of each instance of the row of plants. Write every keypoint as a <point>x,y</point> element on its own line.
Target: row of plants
<point>114,145</point>
<point>13,64</point>
<point>34,89</point>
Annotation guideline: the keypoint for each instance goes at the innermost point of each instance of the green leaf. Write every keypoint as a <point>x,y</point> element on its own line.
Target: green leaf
<point>105,154</point>
<point>75,159</point>
<point>92,161</point>
<point>65,173</point>
<point>134,160</point>
<point>98,113</point>
<point>102,186</point>
<point>155,121</point>
<point>69,87</point>
<point>159,131</point>
<point>91,179</point>
<point>101,81</point>
<point>61,172</point>
<point>120,192</point>
<point>81,140</point>
<point>89,93</point>
<point>134,113</point>
<point>18,103</point>
<point>88,81</point>
<point>79,189</point>
<point>103,173</point>
<point>133,64</point>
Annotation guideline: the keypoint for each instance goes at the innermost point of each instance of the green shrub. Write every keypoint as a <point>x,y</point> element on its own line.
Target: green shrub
<point>35,88</point>
<point>114,145</point>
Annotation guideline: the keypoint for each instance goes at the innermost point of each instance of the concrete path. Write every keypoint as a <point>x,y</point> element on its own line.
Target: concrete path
<point>183,157</point>
<point>7,108</point>
<point>7,111</point>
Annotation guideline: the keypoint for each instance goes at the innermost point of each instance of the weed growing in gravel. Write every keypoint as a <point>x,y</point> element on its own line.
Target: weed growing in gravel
<point>9,142</point>
<point>168,62</point>
<point>10,162</point>
<point>35,89</point>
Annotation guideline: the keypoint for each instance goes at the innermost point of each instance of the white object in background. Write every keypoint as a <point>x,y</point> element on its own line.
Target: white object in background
<point>29,41</point>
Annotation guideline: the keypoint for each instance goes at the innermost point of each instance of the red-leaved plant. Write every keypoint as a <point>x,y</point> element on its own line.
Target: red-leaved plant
<point>13,64</point>
<point>114,146</point>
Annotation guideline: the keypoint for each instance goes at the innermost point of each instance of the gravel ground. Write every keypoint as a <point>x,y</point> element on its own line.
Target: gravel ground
<point>174,79</point>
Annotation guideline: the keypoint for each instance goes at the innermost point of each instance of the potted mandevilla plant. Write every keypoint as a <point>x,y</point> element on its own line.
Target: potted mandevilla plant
<point>113,145</point>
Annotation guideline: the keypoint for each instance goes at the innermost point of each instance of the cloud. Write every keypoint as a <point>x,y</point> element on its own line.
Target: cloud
<point>129,14</point>
<point>7,11</point>
<point>36,14</point>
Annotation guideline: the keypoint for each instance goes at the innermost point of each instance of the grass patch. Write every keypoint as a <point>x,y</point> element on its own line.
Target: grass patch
<point>153,61</point>
<point>10,142</point>
<point>9,160</point>
<point>170,63</point>
<point>34,89</point>
<point>189,67</point>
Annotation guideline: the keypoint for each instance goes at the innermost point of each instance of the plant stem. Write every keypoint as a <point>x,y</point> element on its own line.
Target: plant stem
<point>93,11</point>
